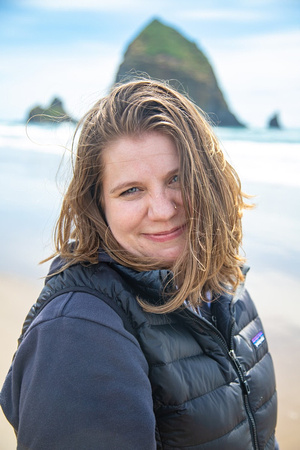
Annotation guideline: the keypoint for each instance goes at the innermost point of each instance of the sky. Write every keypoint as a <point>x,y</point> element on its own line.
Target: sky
<point>72,49</point>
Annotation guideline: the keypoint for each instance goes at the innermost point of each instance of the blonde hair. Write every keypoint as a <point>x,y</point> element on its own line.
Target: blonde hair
<point>211,192</point>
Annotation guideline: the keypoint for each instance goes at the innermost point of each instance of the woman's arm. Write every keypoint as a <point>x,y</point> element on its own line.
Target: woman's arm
<point>80,381</point>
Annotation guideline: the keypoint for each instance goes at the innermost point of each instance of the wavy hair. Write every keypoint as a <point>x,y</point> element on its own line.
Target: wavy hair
<point>210,187</point>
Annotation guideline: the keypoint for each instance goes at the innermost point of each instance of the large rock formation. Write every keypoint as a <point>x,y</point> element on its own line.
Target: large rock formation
<point>54,113</point>
<point>163,53</point>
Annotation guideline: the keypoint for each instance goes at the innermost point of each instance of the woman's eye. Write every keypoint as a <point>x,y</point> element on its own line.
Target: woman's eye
<point>175,179</point>
<point>130,191</point>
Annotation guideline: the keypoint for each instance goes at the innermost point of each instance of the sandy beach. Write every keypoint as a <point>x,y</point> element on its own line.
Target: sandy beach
<point>281,326</point>
<point>16,297</point>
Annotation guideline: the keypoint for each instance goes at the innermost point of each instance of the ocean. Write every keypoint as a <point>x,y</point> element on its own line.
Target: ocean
<point>267,161</point>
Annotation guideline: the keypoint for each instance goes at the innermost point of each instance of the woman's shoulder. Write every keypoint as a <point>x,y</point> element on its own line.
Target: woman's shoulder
<point>83,309</point>
<point>81,292</point>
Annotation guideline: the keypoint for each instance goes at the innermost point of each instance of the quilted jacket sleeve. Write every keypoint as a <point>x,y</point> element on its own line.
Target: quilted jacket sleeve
<point>79,380</point>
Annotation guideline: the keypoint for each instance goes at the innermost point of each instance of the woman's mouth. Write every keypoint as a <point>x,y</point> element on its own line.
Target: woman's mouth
<point>167,235</point>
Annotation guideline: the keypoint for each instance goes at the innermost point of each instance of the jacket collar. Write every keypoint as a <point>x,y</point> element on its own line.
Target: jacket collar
<point>150,283</point>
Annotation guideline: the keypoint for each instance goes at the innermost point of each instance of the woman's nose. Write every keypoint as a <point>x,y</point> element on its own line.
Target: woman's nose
<point>162,207</point>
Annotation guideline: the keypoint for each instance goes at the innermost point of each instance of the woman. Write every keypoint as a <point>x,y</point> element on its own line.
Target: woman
<point>144,336</point>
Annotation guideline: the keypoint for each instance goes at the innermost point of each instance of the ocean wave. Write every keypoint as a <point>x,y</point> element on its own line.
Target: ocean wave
<point>265,162</point>
<point>53,139</point>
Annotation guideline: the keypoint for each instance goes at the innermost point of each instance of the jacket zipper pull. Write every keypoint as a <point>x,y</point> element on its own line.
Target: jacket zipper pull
<point>240,370</point>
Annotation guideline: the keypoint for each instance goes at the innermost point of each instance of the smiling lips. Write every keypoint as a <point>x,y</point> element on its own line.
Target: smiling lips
<point>165,235</point>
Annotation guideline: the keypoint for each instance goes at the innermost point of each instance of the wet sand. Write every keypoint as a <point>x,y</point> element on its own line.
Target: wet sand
<point>276,296</point>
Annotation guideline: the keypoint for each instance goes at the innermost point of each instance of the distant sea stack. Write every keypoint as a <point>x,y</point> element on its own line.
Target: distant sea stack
<point>54,113</point>
<point>274,121</point>
<point>163,53</point>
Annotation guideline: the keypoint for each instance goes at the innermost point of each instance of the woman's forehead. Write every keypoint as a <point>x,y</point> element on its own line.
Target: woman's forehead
<point>145,147</point>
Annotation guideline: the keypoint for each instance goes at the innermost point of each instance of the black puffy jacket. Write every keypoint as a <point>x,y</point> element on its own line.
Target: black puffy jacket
<point>213,385</point>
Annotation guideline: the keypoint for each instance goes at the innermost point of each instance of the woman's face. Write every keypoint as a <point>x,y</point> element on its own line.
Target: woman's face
<point>142,197</point>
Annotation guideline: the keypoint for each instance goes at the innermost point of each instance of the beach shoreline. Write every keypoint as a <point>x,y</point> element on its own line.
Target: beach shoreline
<point>269,290</point>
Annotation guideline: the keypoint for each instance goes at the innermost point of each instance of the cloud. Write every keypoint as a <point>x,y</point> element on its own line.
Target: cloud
<point>272,56</point>
<point>80,76</point>
<point>229,15</point>
<point>260,74</point>
<point>91,5</point>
